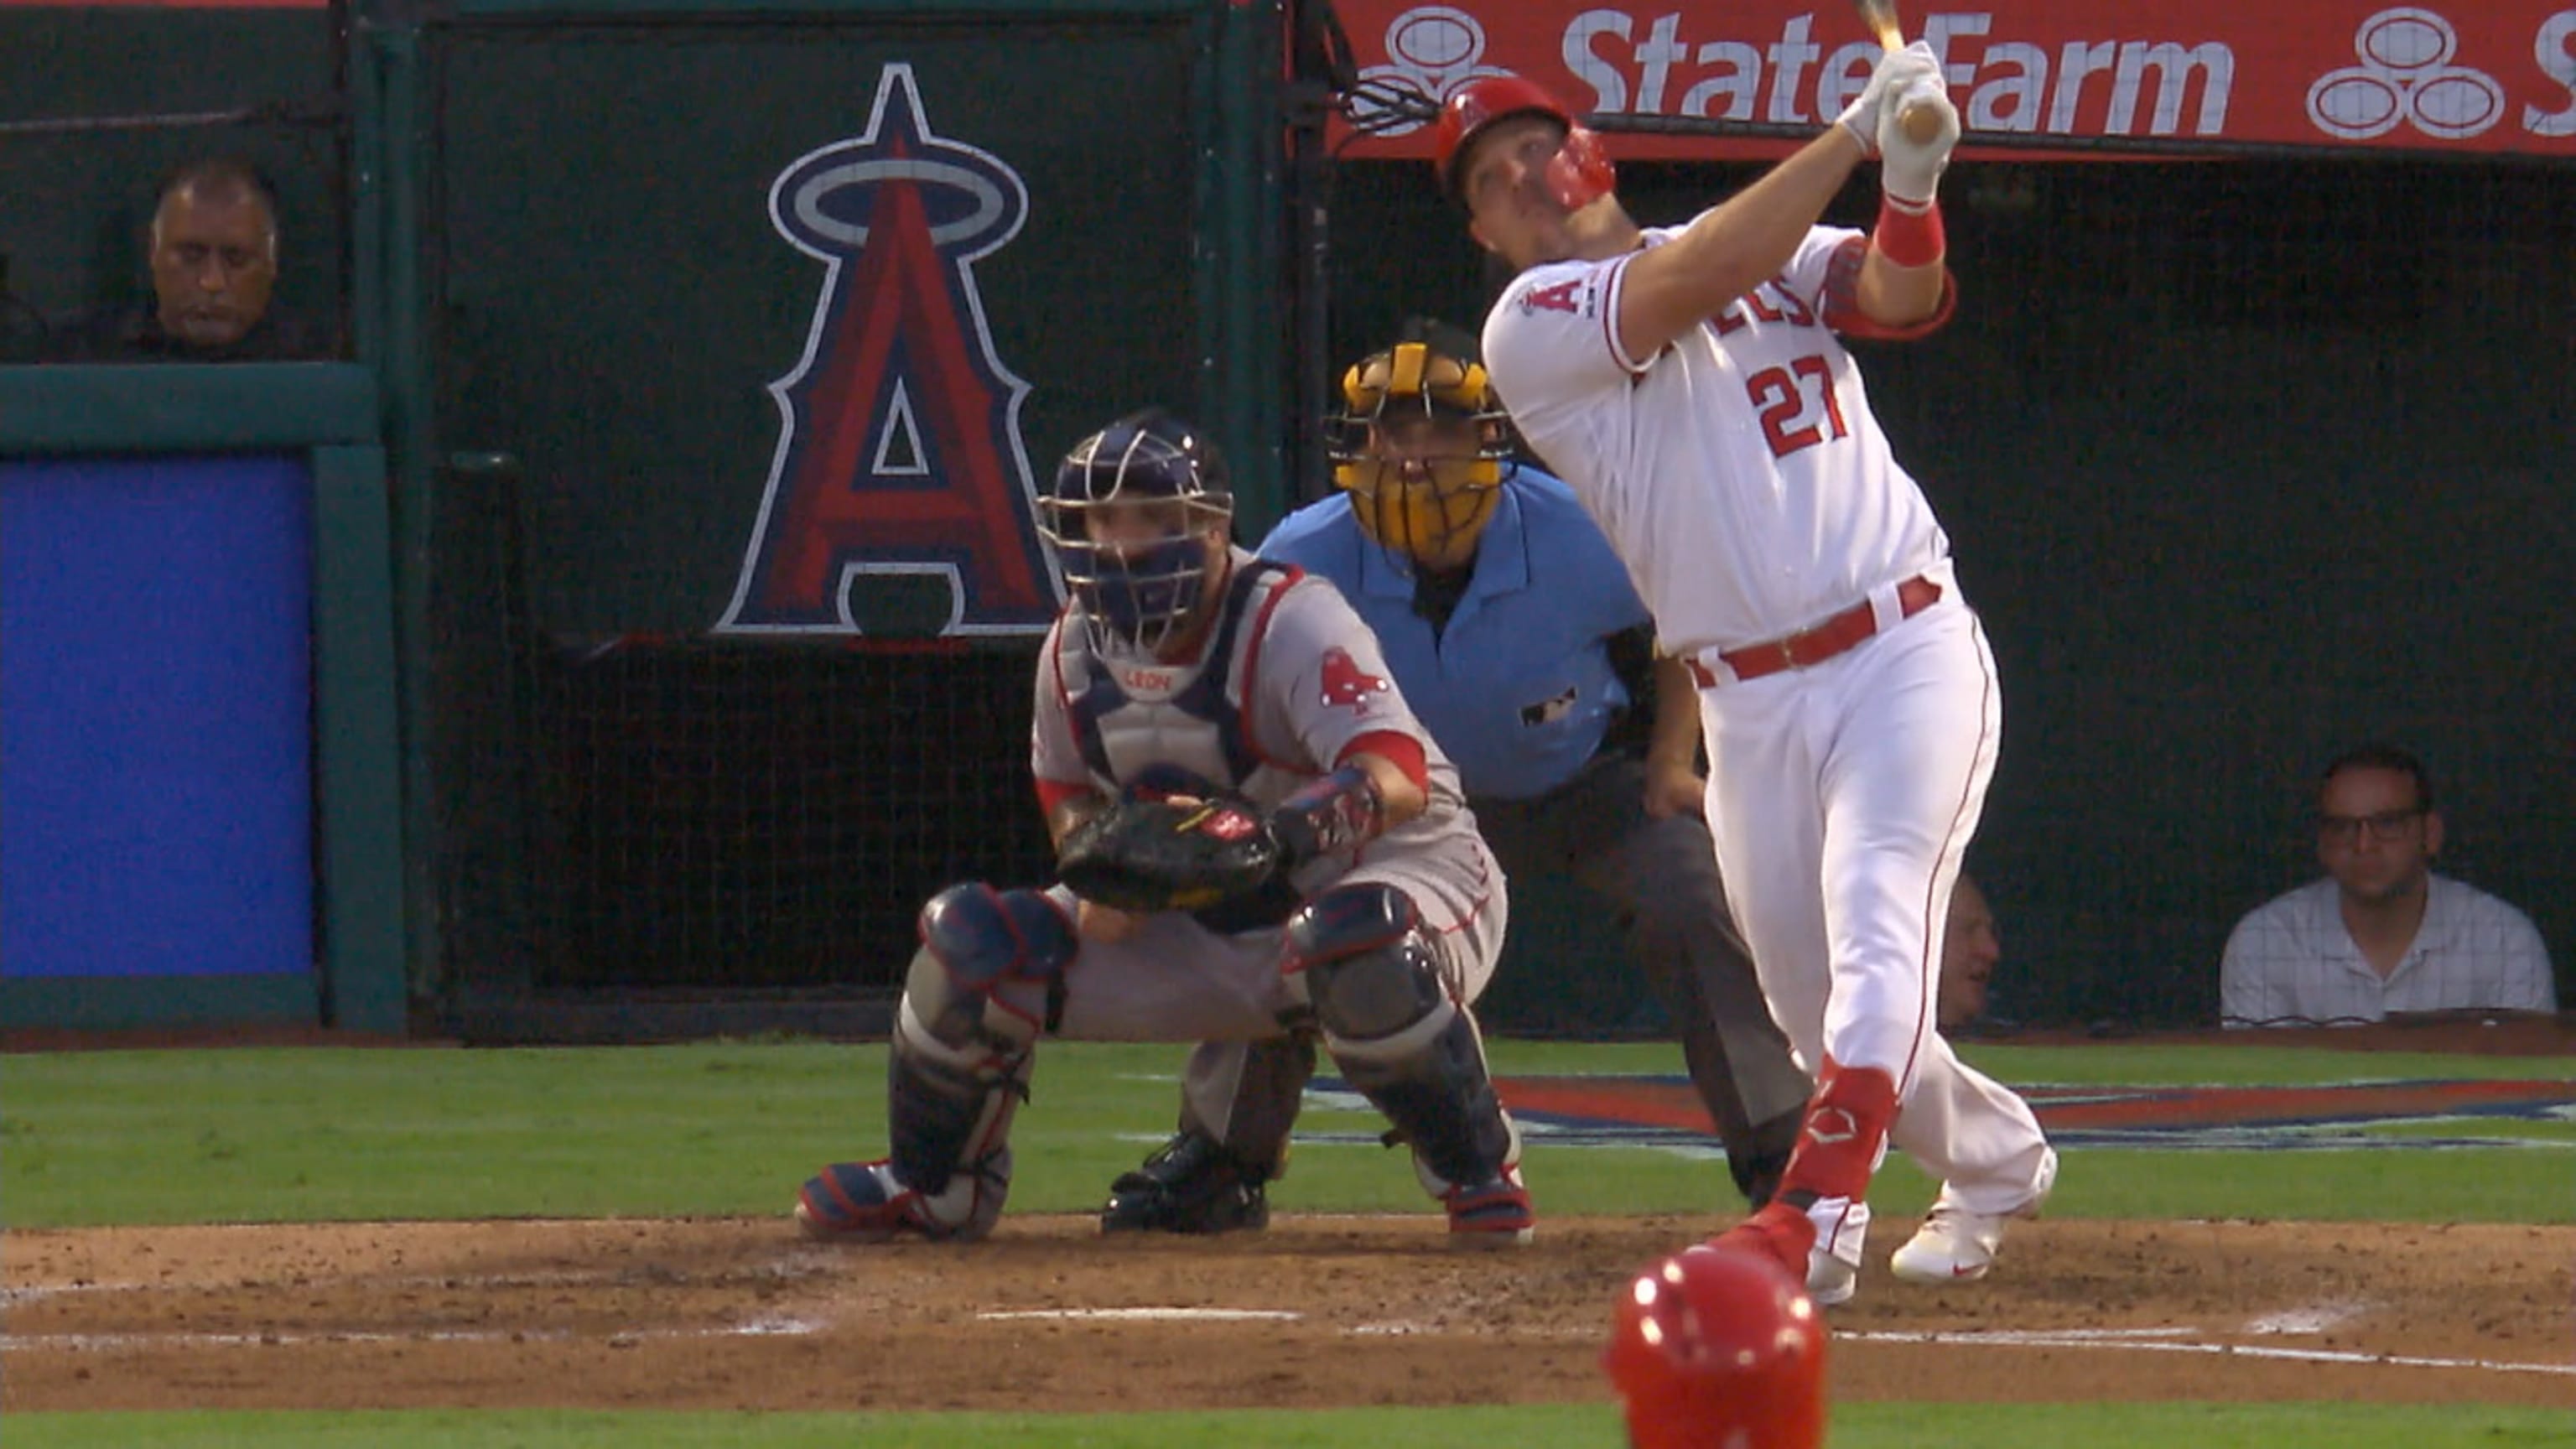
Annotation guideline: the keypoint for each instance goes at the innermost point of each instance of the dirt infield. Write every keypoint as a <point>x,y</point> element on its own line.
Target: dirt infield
<point>742,1314</point>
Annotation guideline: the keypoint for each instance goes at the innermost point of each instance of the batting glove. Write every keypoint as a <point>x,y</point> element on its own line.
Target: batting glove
<point>1895,70</point>
<point>1909,170</point>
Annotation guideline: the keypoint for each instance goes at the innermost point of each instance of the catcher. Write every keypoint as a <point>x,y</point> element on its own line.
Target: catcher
<point>1257,839</point>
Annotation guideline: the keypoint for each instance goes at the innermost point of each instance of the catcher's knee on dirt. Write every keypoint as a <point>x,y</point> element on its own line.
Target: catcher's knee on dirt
<point>977,995</point>
<point>1373,975</point>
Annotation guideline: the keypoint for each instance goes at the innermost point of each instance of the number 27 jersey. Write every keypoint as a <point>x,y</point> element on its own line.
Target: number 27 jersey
<point>1739,471</point>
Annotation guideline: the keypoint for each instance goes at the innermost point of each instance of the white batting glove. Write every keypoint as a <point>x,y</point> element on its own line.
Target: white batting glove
<point>1910,170</point>
<point>1896,69</point>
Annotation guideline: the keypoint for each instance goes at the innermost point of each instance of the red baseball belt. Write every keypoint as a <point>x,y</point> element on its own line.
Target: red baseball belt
<point>1810,647</point>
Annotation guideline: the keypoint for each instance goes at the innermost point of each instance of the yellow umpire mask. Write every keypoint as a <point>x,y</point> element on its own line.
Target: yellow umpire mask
<point>1420,445</point>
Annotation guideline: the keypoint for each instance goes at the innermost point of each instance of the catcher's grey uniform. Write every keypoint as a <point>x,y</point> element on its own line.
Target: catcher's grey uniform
<point>1289,681</point>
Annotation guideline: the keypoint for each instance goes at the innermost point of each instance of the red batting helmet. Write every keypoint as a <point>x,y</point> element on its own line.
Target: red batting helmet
<point>1714,1347</point>
<point>1582,171</point>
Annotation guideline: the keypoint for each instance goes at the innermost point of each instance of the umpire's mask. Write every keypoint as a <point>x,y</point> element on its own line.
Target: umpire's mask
<point>1420,445</point>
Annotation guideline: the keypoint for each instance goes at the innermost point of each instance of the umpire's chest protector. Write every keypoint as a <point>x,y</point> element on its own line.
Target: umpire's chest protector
<point>1131,717</point>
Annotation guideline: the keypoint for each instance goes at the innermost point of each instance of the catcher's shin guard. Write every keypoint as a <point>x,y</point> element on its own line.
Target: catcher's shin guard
<point>1371,971</point>
<point>952,1087</point>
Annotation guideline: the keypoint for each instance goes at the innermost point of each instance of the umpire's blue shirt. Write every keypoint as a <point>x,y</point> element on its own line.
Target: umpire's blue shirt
<point>1518,689</point>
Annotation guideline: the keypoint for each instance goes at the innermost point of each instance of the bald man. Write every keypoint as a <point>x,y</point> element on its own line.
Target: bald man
<point>213,252</point>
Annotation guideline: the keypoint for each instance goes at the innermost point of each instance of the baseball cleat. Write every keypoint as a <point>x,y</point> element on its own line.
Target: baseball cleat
<point>1494,1214</point>
<point>1190,1185</point>
<point>1955,1245</point>
<point>1831,1282</point>
<point>864,1202</point>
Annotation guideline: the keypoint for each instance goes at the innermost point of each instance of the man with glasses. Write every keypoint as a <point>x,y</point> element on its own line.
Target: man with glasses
<point>2381,933</point>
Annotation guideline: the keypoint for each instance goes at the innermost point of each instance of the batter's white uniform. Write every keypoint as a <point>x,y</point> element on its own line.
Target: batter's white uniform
<point>1748,488</point>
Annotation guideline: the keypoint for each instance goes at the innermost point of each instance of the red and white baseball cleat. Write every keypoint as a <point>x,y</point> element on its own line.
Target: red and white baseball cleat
<point>1955,1245</point>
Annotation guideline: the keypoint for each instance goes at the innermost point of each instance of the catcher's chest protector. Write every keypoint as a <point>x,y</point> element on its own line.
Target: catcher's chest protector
<point>1128,716</point>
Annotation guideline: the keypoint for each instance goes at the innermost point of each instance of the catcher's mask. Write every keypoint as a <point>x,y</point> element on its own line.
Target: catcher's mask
<point>1579,174</point>
<point>1714,1347</point>
<point>1420,444</point>
<point>1138,517</point>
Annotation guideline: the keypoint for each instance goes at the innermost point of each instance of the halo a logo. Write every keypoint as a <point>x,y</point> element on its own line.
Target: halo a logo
<point>899,449</point>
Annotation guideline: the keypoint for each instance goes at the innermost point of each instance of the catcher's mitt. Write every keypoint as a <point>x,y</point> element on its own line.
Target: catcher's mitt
<point>1169,855</point>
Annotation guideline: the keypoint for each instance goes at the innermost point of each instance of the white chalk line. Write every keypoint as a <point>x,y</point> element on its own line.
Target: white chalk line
<point>2041,1338</point>
<point>116,1342</point>
<point>1145,1315</point>
<point>801,1263</point>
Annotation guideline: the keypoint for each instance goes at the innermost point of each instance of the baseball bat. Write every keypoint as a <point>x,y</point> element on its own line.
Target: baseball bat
<point>1920,122</point>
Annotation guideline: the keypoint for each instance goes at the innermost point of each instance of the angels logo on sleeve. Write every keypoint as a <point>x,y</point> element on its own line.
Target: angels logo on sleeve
<point>1348,685</point>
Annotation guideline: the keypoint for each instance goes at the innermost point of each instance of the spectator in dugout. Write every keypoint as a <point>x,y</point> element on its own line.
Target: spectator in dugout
<point>212,249</point>
<point>2381,933</point>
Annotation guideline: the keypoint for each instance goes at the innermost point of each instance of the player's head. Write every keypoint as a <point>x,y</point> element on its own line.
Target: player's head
<point>1139,517</point>
<point>1971,945</point>
<point>2377,830</point>
<point>212,247</point>
<point>1419,443</point>
<point>1714,1348</point>
<point>1506,149</point>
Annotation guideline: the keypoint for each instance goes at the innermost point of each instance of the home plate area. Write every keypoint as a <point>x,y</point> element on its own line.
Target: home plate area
<point>1319,1310</point>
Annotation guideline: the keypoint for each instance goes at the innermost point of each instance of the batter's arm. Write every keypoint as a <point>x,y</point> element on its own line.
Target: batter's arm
<point>1731,248</point>
<point>1897,296</point>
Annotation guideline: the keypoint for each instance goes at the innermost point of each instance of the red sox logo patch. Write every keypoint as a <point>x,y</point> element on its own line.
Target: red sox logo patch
<point>900,450</point>
<point>1349,686</point>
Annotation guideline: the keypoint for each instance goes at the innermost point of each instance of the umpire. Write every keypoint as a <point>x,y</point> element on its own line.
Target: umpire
<point>1513,631</point>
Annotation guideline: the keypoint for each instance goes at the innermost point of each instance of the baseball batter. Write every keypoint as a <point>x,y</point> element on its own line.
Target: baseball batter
<point>1689,384</point>
<point>1186,667</point>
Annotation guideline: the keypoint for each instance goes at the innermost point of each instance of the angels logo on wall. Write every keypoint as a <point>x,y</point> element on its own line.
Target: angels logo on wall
<point>900,498</point>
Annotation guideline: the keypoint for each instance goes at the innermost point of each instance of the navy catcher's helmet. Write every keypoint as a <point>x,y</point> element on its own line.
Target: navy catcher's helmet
<point>1128,516</point>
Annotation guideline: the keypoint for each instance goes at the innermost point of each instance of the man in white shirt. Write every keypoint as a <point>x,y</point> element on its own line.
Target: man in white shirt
<point>2381,933</point>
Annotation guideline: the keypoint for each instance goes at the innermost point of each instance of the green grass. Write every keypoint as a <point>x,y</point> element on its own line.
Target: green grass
<point>1534,1426</point>
<point>732,1128</point>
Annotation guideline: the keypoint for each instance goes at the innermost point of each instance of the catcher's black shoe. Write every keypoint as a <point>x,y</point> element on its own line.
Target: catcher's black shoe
<point>1189,1185</point>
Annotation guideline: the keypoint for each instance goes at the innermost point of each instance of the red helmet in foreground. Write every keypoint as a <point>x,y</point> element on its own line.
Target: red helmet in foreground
<point>1582,170</point>
<point>1717,1349</point>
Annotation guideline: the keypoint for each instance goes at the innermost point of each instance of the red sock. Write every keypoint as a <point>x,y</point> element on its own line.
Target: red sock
<point>1847,1122</point>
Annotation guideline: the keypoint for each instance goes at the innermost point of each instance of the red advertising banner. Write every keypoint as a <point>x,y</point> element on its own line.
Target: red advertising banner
<point>2496,76</point>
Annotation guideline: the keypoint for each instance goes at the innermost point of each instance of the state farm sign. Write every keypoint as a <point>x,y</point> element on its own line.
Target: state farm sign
<point>2497,76</point>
